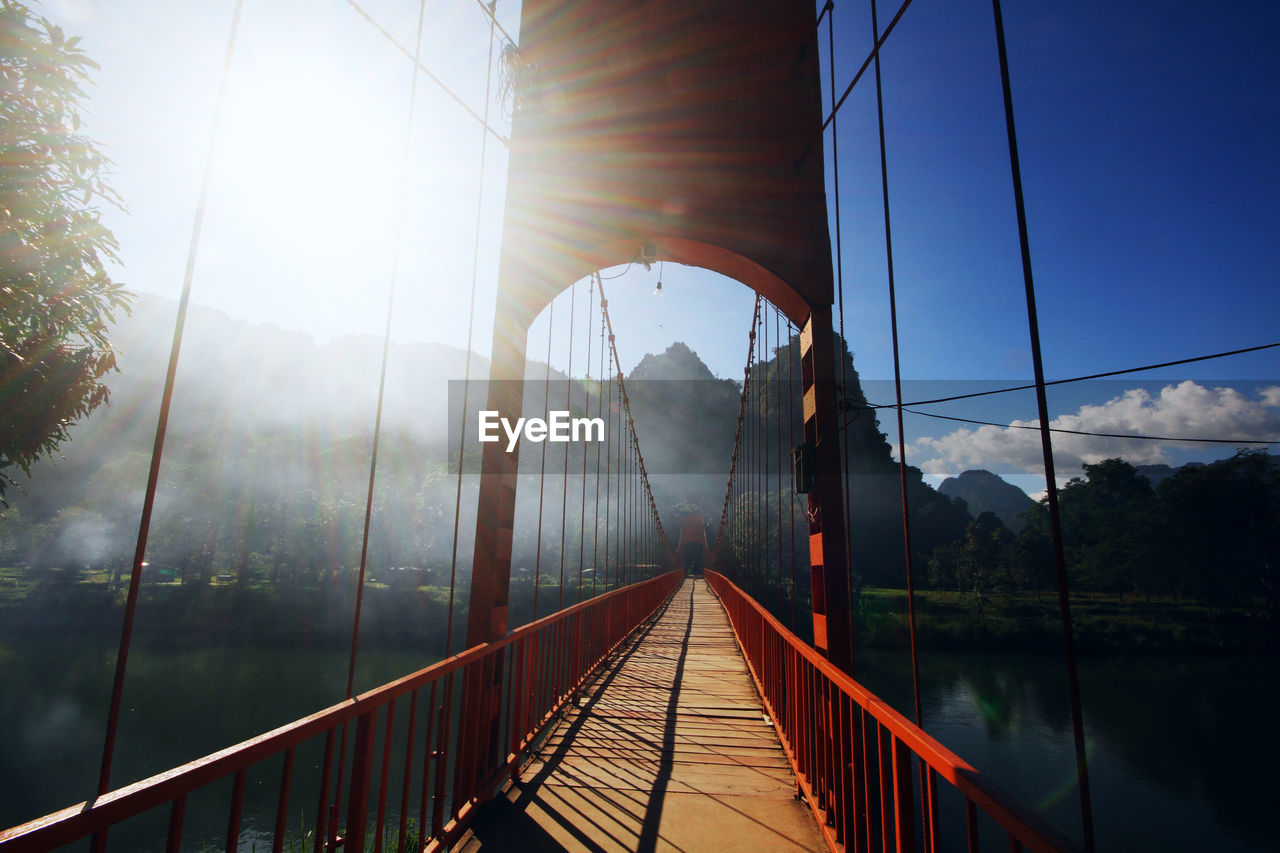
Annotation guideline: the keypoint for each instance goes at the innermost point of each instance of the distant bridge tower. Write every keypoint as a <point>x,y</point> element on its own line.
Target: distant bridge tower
<point>689,130</point>
<point>692,551</point>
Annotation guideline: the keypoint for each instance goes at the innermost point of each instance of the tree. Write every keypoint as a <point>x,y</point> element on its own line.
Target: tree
<point>1107,522</point>
<point>1033,551</point>
<point>56,298</point>
<point>1222,525</point>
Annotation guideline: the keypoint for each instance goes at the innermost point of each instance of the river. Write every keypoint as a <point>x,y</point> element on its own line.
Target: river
<point>1180,753</point>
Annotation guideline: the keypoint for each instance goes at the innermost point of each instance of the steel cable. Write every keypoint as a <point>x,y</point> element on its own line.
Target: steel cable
<point>564,482</point>
<point>466,384</point>
<point>842,393</point>
<point>582,512</point>
<point>1046,442</point>
<point>542,467</point>
<point>162,425</point>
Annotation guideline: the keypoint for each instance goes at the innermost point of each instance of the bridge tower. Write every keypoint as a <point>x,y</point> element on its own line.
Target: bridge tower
<point>692,551</point>
<point>682,131</point>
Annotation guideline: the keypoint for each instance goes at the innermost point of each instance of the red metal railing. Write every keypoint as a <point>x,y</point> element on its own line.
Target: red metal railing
<point>449,758</point>
<point>857,760</point>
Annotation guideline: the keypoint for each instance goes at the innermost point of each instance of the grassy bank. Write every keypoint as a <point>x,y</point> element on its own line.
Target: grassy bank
<point>225,610</point>
<point>319,615</point>
<point>1025,622</point>
<point>56,602</point>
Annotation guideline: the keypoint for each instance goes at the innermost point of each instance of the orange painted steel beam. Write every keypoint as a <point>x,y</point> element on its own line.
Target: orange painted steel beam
<point>687,126</point>
<point>828,556</point>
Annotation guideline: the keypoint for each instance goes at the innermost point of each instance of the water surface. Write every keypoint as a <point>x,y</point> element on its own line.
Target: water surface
<point>1180,753</point>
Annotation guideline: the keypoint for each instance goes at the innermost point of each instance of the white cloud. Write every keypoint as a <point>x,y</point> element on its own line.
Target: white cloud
<point>1186,409</point>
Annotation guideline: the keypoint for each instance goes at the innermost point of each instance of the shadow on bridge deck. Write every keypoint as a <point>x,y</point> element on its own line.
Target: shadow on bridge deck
<point>668,750</point>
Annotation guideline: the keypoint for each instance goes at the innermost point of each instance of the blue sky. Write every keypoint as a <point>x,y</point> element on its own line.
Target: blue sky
<point>1148,139</point>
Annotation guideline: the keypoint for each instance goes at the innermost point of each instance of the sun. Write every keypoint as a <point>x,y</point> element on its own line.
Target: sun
<point>308,142</point>
<point>323,194</point>
<point>305,135</point>
<point>308,165</point>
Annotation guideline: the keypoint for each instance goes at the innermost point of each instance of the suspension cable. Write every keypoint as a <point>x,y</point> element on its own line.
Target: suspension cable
<point>624,512</point>
<point>777,402</point>
<point>595,514</point>
<point>1046,443</point>
<point>564,481</point>
<point>1098,434</point>
<point>791,442</point>
<point>897,383</point>
<point>620,580</point>
<point>582,511</point>
<point>1072,379</point>
<point>744,485</point>
<point>633,513</point>
<point>490,12</point>
<point>764,453</point>
<point>756,461</point>
<point>377,422</point>
<point>542,467</point>
<point>750,484</point>
<point>827,8</point>
<point>875,54</point>
<point>162,426</point>
<point>608,471</point>
<point>762,448</point>
<point>483,120</point>
<point>912,633</point>
<point>842,399</point>
<point>866,63</point>
<point>630,420</point>
<point>466,384</point>
<point>731,489</point>
<point>629,566</point>
<point>386,352</point>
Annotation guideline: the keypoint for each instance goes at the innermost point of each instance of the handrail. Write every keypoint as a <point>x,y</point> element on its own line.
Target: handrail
<point>852,753</point>
<point>539,665</point>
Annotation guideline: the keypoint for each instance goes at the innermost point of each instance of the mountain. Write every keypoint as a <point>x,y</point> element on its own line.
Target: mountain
<point>678,363</point>
<point>1156,474</point>
<point>246,384</point>
<point>986,492</point>
<point>262,378</point>
<point>687,420</point>
<point>266,465</point>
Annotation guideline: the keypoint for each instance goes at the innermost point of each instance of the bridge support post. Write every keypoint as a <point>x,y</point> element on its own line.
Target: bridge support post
<point>361,773</point>
<point>496,507</point>
<point>669,131</point>
<point>828,556</point>
<point>479,747</point>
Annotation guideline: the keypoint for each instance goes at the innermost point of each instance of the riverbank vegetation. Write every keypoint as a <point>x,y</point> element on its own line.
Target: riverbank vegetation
<point>1189,564</point>
<point>258,525</point>
<point>396,612</point>
<point>1102,624</point>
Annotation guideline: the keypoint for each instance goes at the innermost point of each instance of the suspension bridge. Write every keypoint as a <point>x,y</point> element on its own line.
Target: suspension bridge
<point>666,707</point>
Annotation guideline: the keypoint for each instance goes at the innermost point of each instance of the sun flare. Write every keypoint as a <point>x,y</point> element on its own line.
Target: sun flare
<point>310,149</point>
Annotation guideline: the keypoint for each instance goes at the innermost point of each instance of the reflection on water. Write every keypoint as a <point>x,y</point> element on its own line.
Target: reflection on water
<point>1179,750</point>
<point>179,703</point>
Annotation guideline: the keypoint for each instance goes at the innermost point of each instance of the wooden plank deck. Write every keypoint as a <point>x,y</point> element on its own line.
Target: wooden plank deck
<point>668,750</point>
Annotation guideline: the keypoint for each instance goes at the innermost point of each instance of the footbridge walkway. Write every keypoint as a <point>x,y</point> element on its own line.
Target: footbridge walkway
<point>667,748</point>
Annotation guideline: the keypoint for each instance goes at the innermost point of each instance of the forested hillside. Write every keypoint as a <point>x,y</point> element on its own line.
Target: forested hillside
<point>267,464</point>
